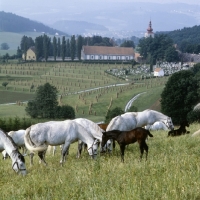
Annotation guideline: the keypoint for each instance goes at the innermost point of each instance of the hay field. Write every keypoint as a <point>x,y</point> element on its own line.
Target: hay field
<point>86,87</point>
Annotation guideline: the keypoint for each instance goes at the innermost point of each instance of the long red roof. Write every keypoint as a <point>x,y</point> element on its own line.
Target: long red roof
<point>102,50</point>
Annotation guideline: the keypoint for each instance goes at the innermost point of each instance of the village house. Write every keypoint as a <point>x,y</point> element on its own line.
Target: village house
<point>107,53</point>
<point>158,72</point>
<point>30,54</point>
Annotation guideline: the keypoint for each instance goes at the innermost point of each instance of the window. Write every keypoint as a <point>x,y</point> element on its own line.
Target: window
<point>100,57</point>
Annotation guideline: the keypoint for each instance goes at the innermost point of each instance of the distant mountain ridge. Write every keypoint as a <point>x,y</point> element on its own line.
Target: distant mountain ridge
<point>13,23</point>
<point>77,27</point>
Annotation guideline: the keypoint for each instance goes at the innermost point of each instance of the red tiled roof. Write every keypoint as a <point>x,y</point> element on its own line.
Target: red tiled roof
<point>157,69</point>
<point>102,50</point>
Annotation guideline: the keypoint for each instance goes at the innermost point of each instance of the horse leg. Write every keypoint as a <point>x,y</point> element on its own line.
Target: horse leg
<point>54,150</point>
<point>122,148</point>
<point>141,144</point>
<point>31,158</point>
<point>65,150</point>
<point>113,143</point>
<point>41,155</point>
<point>80,147</point>
<point>146,148</point>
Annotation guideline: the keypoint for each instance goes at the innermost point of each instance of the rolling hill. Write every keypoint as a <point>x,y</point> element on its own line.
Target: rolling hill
<point>13,23</point>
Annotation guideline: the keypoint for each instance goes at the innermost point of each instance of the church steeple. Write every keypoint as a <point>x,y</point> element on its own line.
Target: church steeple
<point>149,32</point>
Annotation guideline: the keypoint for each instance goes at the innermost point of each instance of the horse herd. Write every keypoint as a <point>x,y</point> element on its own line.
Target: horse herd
<point>125,129</point>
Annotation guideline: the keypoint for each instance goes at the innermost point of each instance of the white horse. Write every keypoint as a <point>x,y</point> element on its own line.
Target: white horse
<point>94,130</point>
<point>18,137</point>
<point>131,120</point>
<point>39,136</point>
<point>18,161</point>
<point>157,126</point>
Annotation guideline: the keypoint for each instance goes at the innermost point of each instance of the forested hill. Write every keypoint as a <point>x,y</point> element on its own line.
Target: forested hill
<point>13,23</point>
<point>189,35</point>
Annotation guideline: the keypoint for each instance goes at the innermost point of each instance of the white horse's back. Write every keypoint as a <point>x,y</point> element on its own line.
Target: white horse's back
<point>122,122</point>
<point>92,128</point>
<point>131,120</point>
<point>157,126</point>
<point>18,137</point>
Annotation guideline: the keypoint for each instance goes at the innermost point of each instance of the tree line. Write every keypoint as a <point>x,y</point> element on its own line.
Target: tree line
<point>159,48</point>
<point>64,47</point>
<point>187,39</point>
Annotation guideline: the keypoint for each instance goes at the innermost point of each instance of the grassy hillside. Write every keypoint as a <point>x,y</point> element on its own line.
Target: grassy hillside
<point>13,40</point>
<point>10,22</point>
<point>171,172</point>
<point>86,87</point>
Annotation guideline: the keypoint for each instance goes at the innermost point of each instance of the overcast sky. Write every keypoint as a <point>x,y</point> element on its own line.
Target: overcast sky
<point>103,11</point>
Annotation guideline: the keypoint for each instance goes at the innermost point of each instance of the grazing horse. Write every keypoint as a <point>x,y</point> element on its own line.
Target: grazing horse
<point>131,120</point>
<point>18,137</point>
<point>94,130</point>
<point>124,138</point>
<point>39,136</point>
<point>157,126</point>
<point>108,145</point>
<point>18,161</point>
<point>181,130</point>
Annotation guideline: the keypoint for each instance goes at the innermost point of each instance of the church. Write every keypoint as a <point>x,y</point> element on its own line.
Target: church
<point>149,32</point>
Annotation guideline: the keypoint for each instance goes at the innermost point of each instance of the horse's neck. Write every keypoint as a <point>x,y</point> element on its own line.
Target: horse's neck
<point>113,134</point>
<point>7,143</point>
<point>84,136</point>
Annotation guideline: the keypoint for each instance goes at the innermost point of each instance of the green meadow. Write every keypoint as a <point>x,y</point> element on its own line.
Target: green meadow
<point>86,87</point>
<point>171,172</point>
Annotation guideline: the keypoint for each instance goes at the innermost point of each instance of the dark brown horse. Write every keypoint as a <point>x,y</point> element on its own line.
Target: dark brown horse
<point>181,130</point>
<point>127,137</point>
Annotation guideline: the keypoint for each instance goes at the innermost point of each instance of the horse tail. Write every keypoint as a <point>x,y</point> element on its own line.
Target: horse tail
<point>30,145</point>
<point>149,134</point>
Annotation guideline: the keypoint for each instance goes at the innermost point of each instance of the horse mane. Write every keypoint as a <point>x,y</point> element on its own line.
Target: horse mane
<point>112,134</point>
<point>10,138</point>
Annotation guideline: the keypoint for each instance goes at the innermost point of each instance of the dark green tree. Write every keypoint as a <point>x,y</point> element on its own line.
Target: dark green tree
<point>128,43</point>
<point>73,47</point>
<point>171,55</point>
<point>68,49</point>
<point>46,45</point>
<point>133,109</point>
<point>19,53</point>
<point>4,46</point>
<point>45,103</point>
<point>39,47</point>
<point>54,48</point>
<point>65,112</point>
<point>4,84</point>
<point>113,113</point>
<point>180,95</point>
<point>59,48</point>
<point>63,48</point>
<point>79,46</point>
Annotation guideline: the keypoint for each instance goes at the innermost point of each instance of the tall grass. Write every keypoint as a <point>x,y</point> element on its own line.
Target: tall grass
<point>171,172</point>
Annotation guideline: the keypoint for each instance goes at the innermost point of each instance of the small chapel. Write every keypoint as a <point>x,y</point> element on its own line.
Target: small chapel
<point>149,32</point>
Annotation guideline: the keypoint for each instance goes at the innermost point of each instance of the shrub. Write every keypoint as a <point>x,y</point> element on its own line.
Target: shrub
<point>113,113</point>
